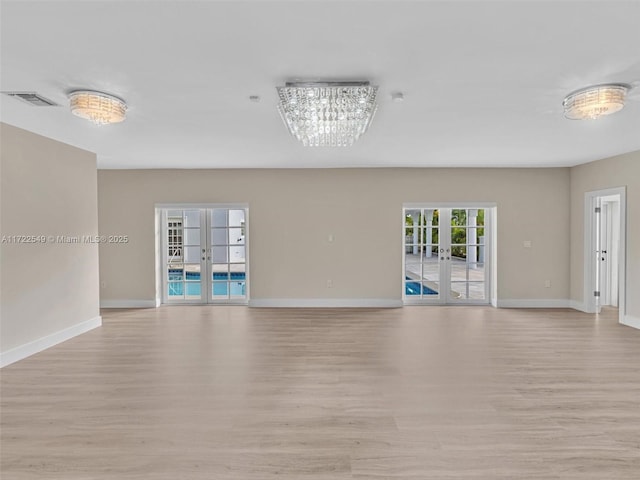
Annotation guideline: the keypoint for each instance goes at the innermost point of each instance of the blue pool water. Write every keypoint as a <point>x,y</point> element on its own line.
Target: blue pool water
<point>234,283</point>
<point>224,284</point>
<point>413,288</point>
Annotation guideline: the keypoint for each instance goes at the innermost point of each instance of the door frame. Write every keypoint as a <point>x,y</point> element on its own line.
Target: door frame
<point>161,254</point>
<point>490,250</point>
<point>590,242</point>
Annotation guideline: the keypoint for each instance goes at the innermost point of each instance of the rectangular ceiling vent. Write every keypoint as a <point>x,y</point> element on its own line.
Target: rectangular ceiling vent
<point>32,98</point>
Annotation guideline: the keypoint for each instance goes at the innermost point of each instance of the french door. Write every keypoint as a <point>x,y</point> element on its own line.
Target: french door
<point>205,255</point>
<point>446,255</point>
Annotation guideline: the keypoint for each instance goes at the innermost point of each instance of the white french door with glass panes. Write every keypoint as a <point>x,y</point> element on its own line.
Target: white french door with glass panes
<point>205,255</point>
<point>446,254</point>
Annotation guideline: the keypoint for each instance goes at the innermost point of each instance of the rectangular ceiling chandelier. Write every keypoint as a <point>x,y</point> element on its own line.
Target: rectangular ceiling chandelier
<point>327,114</point>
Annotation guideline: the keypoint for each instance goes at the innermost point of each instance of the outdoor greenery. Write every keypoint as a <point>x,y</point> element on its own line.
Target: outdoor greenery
<point>458,230</point>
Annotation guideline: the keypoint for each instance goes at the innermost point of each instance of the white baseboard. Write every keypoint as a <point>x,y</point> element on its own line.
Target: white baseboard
<point>128,304</point>
<point>630,321</point>
<point>325,303</point>
<point>31,348</point>
<point>534,303</point>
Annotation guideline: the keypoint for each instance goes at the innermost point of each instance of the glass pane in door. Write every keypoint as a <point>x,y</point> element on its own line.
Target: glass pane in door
<point>421,253</point>
<point>467,268</point>
<point>228,254</point>
<point>431,254</point>
<point>236,254</point>
<point>413,254</point>
<point>237,218</point>
<point>459,291</point>
<point>192,290</point>
<point>175,277</point>
<point>183,255</point>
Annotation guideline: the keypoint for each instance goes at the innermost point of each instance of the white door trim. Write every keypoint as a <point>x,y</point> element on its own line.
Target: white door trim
<point>161,210</point>
<point>444,238</point>
<point>590,233</point>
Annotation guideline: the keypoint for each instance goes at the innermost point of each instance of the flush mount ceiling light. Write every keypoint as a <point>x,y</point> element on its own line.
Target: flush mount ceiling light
<point>327,114</point>
<point>594,102</point>
<point>97,107</point>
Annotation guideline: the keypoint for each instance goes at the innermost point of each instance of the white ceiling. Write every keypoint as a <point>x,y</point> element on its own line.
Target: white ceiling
<point>483,81</point>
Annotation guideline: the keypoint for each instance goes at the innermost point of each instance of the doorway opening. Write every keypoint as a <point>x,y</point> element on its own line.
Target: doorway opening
<point>447,254</point>
<point>203,254</point>
<point>605,249</point>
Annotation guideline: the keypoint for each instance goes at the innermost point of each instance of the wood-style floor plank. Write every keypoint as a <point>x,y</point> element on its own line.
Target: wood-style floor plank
<point>413,393</point>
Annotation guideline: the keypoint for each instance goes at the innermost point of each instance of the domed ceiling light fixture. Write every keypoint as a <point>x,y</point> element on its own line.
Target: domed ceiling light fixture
<point>594,102</point>
<point>327,114</point>
<point>97,107</point>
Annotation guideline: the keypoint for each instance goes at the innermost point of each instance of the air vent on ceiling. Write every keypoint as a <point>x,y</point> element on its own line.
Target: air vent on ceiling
<point>32,98</point>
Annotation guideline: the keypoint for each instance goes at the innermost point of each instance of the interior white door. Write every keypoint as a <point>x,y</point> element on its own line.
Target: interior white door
<point>609,235</point>
<point>607,221</point>
<point>605,251</point>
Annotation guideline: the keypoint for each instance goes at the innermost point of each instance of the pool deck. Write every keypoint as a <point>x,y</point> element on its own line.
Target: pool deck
<point>473,277</point>
<point>195,267</point>
<point>461,276</point>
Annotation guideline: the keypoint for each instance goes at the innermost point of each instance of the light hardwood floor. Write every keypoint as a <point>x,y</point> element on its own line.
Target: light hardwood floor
<point>414,393</point>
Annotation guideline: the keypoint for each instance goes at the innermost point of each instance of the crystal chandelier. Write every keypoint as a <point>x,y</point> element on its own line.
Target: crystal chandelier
<point>97,107</point>
<point>594,102</point>
<point>327,114</point>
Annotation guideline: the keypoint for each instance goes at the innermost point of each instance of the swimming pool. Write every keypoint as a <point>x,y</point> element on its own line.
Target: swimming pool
<point>413,288</point>
<point>234,283</point>
<point>224,284</point>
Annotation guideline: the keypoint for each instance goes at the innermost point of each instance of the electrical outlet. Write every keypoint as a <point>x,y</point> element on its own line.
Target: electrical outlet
<point>329,283</point>
<point>547,284</point>
<point>526,244</point>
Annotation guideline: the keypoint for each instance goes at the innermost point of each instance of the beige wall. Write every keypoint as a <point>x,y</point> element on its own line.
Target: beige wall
<point>623,170</point>
<point>48,188</point>
<point>292,212</point>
